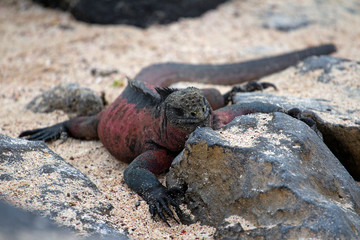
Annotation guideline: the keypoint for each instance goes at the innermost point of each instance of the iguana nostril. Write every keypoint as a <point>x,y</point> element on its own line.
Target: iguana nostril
<point>193,114</point>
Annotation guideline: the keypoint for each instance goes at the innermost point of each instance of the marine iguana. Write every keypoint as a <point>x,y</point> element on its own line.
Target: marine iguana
<point>148,124</point>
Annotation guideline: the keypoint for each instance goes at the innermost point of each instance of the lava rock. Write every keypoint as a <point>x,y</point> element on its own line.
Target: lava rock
<point>338,123</point>
<point>69,97</point>
<point>286,23</point>
<point>291,16</point>
<point>18,224</point>
<point>325,63</point>
<point>141,13</point>
<point>39,180</point>
<point>269,176</point>
<point>287,102</point>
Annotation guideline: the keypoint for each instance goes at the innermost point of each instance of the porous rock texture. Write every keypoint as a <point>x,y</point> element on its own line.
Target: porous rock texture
<point>37,179</point>
<point>17,224</point>
<point>267,175</point>
<point>338,122</point>
<point>68,97</point>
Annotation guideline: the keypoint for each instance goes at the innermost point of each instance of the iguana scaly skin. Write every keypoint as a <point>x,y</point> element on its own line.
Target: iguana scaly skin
<point>147,126</point>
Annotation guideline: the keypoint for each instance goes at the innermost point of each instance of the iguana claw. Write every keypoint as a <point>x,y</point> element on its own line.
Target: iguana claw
<point>45,134</point>
<point>249,87</point>
<point>159,200</point>
<point>307,118</point>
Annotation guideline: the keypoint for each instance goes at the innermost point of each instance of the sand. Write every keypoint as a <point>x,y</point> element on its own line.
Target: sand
<point>41,48</point>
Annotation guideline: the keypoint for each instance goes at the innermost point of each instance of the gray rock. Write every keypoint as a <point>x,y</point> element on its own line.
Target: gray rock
<point>339,122</point>
<point>286,23</point>
<point>293,15</point>
<point>18,224</point>
<point>268,176</point>
<point>325,63</point>
<point>69,97</point>
<point>287,102</point>
<point>37,179</point>
<point>321,62</point>
<point>288,16</point>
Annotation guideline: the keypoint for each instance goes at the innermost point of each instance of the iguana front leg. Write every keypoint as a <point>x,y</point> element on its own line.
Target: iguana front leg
<point>140,177</point>
<point>224,115</point>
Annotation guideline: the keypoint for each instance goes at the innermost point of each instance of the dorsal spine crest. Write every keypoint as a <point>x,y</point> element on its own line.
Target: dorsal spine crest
<point>165,92</point>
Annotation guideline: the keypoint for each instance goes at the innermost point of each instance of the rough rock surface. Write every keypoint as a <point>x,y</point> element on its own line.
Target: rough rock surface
<point>338,123</point>
<point>69,97</point>
<point>286,22</point>
<point>267,175</point>
<point>292,16</point>
<point>139,13</point>
<point>39,180</point>
<point>16,224</point>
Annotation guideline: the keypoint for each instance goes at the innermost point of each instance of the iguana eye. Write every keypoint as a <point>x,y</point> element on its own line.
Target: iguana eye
<point>179,112</point>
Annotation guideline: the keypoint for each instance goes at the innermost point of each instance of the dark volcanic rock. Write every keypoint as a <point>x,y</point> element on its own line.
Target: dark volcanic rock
<point>339,123</point>
<point>287,102</point>
<point>69,97</point>
<point>269,176</point>
<point>141,13</point>
<point>17,224</point>
<point>37,179</point>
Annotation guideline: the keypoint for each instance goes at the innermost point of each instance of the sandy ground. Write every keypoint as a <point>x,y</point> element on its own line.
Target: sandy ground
<point>41,48</point>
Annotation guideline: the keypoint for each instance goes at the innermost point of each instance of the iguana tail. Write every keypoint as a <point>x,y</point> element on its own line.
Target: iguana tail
<point>164,74</point>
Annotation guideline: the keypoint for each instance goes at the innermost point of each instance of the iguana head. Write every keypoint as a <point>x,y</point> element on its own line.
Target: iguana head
<point>187,108</point>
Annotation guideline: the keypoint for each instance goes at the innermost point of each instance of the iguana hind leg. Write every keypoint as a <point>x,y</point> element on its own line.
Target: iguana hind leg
<point>84,127</point>
<point>80,127</point>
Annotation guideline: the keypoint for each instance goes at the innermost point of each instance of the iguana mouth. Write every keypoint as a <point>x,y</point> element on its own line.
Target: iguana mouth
<point>202,121</point>
<point>189,122</point>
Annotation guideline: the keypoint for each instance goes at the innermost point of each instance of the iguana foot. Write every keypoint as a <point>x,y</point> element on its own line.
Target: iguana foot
<point>159,200</point>
<point>249,87</point>
<point>306,117</point>
<point>253,86</point>
<point>45,134</point>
